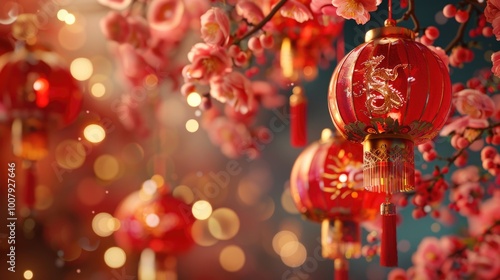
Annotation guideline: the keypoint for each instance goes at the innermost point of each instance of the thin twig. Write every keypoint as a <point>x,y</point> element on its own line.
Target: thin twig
<point>460,33</point>
<point>410,13</point>
<point>261,24</point>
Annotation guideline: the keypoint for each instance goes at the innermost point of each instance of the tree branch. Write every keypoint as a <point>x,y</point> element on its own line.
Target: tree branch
<point>460,33</point>
<point>262,22</point>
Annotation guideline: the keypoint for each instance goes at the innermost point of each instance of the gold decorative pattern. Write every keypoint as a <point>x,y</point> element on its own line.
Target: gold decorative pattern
<point>381,96</point>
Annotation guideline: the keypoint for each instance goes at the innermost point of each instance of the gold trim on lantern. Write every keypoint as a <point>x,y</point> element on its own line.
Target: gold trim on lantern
<point>389,31</point>
<point>388,164</point>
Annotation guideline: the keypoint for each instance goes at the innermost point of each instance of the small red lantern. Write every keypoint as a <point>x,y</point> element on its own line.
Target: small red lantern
<point>326,185</point>
<point>161,223</point>
<point>158,226</point>
<point>390,94</point>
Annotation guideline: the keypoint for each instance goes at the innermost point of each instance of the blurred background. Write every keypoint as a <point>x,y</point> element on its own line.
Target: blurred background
<point>62,239</point>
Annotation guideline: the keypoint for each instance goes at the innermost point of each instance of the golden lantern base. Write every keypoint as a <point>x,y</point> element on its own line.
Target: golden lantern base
<point>388,164</point>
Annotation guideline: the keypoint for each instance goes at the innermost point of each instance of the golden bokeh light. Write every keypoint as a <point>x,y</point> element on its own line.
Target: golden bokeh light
<point>152,220</point>
<point>232,258</point>
<point>81,69</point>
<point>103,224</point>
<point>70,154</point>
<point>282,238</point>
<point>194,99</point>
<point>183,193</point>
<point>98,90</point>
<point>115,257</point>
<point>192,125</point>
<point>201,233</point>
<point>106,167</point>
<point>224,224</point>
<point>288,203</point>
<point>293,254</point>
<point>61,14</point>
<point>28,274</point>
<point>201,209</point>
<point>149,187</point>
<point>94,133</point>
<point>70,19</point>
<point>159,180</point>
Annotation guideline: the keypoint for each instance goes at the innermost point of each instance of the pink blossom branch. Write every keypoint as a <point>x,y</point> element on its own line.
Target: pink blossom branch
<point>261,24</point>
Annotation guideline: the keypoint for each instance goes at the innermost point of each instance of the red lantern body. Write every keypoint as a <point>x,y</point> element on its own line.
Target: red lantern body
<point>390,93</point>
<point>326,185</point>
<point>162,223</point>
<point>36,83</point>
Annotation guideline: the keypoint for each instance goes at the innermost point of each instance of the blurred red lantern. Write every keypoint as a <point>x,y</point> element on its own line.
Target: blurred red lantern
<point>157,226</point>
<point>37,92</point>
<point>389,93</point>
<point>326,185</point>
<point>161,223</point>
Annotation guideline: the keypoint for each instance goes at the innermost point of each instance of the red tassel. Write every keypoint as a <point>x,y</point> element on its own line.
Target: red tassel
<point>30,184</point>
<point>298,117</point>
<point>388,246</point>
<point>341,269</point>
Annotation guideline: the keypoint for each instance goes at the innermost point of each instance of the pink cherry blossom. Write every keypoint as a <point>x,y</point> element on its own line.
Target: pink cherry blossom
<point>465,175</point>
<point>466,197</point>
<point>496,27</point>
<point>495,59</point>
<point>484,261</point>
<point>356,9</point>
<point>397,274</point>
<point>429,253</point>
<point>115,4</point>
<point>267,95</point>
<point>115,27</point>
<point>489,213</point>
<point>249,11</point>
<point>165,15</point>
<point>215,27</point>
<point>296,10</point>
<point>233,137</point>
<point>234,89</point>
<point>492,10</point>
<point>460,55</point>
<point>459,125</point>
<point>474,103</point>
<point>323,7</point>
<point>139,34</point>
<point>206,62</point>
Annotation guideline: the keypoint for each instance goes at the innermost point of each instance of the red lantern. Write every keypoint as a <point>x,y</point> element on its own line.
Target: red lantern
<point>326,185</point>
<point>389,93</point>
<point>161,223</point>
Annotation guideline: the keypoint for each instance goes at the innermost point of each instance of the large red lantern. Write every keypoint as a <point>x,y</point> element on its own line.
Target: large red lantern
<point>326,185</point>
<point>38,93</point>
<point>390,94</point>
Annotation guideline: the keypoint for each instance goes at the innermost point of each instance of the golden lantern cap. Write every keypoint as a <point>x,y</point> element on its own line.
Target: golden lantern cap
<point>389,31</point>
